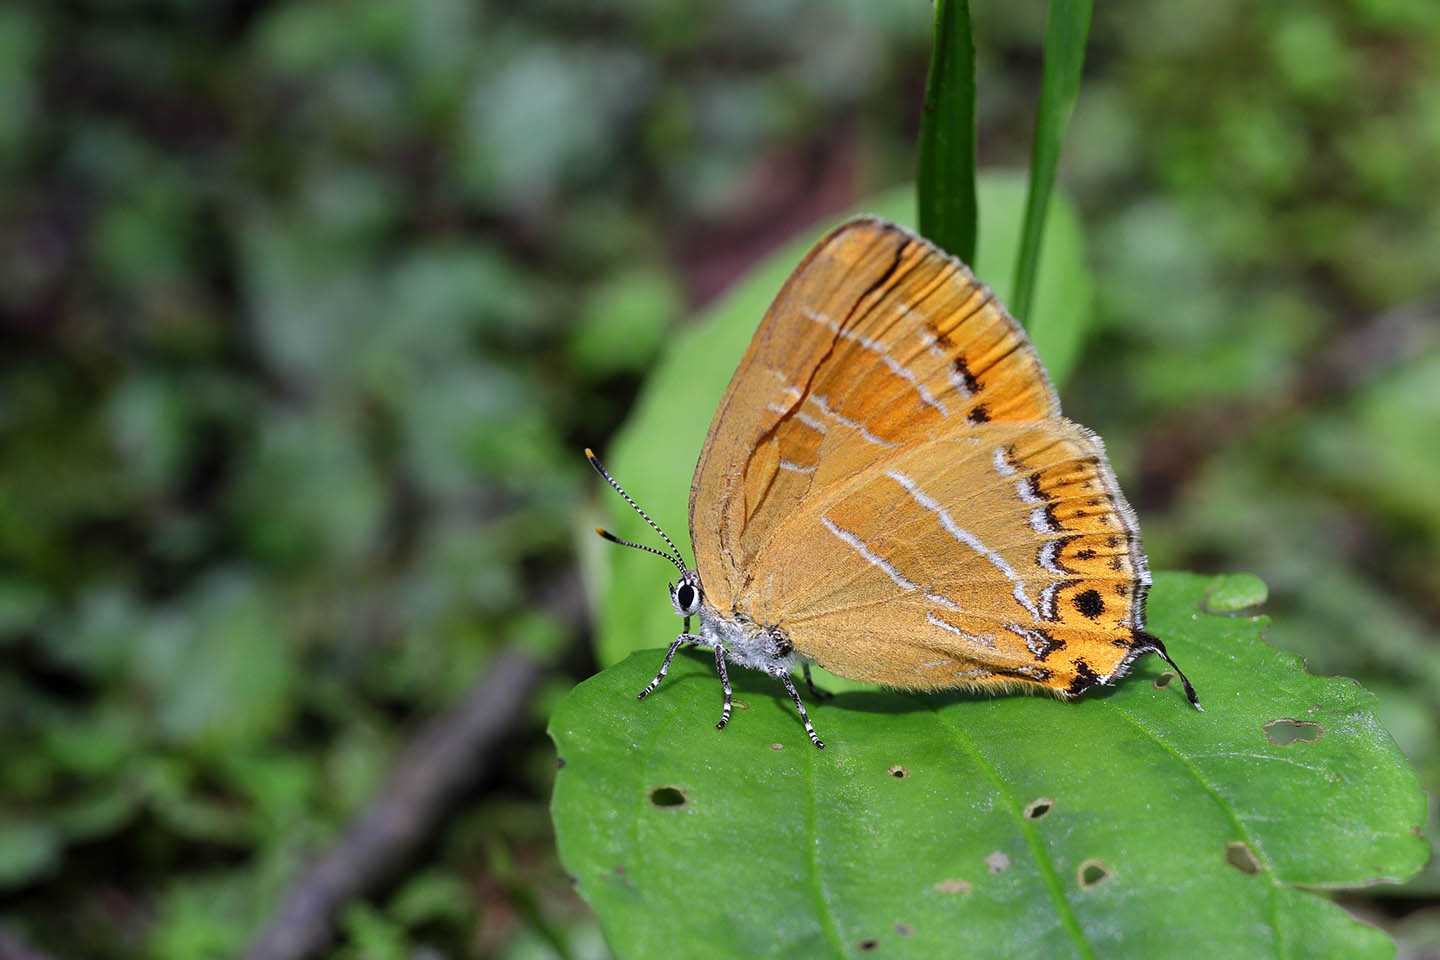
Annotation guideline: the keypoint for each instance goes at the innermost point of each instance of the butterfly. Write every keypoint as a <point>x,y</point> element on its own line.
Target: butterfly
<point>889,490</point>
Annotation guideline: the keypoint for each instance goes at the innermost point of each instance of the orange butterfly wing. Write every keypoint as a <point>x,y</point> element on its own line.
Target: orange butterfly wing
<point>888,479</point>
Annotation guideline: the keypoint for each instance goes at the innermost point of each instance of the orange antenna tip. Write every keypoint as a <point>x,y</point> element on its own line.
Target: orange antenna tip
<point>589,454</point>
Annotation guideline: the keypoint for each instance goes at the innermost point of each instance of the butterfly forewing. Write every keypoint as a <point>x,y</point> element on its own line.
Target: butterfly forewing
<point>889,480</point>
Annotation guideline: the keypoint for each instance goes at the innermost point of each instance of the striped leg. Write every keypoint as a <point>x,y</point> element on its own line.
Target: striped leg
<point>665,667</point>
<point>790,689</point>
<point>724,685</point>
<point>815,691</point>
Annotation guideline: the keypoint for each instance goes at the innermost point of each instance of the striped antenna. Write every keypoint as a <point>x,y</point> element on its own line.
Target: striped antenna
<point>675,559</point>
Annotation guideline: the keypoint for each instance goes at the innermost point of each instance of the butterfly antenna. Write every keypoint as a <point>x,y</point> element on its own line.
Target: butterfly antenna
<point>595,462</point>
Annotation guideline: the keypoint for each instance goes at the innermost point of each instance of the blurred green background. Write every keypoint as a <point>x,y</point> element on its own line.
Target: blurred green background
<point>308,309</point>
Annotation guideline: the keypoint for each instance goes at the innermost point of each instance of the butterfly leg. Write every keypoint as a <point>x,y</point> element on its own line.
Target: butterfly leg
<point>665,667</point>
<point>815,691</point>
<point>790,689</point>
<point>724,685</point>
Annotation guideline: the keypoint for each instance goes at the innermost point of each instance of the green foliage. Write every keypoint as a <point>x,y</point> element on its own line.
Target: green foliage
<point>655,454</point>
<point>1021,826</point>
<point>1067,27</point>
<point>945,175</point>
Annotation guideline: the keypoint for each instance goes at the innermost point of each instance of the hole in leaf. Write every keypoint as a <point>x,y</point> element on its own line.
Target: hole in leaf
<point>668,797</point>
<point>1285,730</point>
<point>869,945</point>
<point>953,885</point>
<point>997,861</point>
<point>1241,857</point>
<point>898,772</point>
<point>1163,681</point>
<point>777,746</point>
<point>1092,872</point>
<point>904,929</point>
<point>1037,808</point>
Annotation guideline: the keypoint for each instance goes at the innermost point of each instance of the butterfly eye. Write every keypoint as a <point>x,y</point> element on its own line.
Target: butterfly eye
<point>685,597</point>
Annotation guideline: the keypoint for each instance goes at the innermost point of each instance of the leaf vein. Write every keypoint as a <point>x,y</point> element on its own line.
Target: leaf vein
<point>1047,869</point>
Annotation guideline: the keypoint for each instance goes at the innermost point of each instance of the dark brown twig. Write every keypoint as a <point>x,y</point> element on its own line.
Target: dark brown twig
<point>441,762</point>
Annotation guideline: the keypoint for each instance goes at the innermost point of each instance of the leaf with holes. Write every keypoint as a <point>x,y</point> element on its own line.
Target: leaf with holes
<point>1125,824</point>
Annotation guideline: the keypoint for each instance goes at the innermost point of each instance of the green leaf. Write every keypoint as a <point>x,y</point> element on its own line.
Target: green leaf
<point>945,177</point>
<point>1066,27</point>
<point>1125,824</point>
<point>655,454</point>
<point>1234,592</point>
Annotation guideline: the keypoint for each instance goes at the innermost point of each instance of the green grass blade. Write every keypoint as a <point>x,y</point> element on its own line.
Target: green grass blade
<point>946,174</point>
<point>1066,27</point>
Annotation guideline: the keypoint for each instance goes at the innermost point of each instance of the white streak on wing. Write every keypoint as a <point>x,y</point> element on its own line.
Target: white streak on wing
<point>824,405</point>
<point>810,422</point>
<point>1023,598</point>
<point>1040,521</point>
<point>865,552</point>
<point>1046,558</point>
<point>933,663</point>
<point>1035,642</point>
<point>1022,489</point>
<point>956,381</point>
<point>970,674</point>
<point>1002,462</point>
<point>804,418</point>
<point>1047,600</point>
<point>945,602</point>
<point>787,465</point>
<point>896,367</point>
<point>968,637</point>
<point>966,537</point>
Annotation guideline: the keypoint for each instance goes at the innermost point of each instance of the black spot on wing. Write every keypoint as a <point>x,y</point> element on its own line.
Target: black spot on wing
<point>962,369</point>
<point>1085,678</point>
<point>1089,604</point>
<point>979,414</point>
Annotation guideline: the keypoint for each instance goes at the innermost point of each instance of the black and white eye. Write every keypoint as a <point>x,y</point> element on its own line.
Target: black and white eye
<point>686,597</point>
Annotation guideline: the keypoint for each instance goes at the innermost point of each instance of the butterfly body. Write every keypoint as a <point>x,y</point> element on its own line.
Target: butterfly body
<point>889,489</point>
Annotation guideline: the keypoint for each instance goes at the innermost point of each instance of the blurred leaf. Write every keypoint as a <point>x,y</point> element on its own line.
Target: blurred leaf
<point>1233,592</point>
<point>21,605</point>
<point>1016,846</point>
<point>622,324</point>
<point>21,47</point>
<point>219,669</point>
<point>945,177</point>
<point>1384,446</point>
<point>1067,26</point>
<point>204,916</point>
<point>29,848</point>
<point>373,935</point>
<point>654,455</point>
<point>306,495</point>
<point>432,895</point>
<point>101,813</point>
